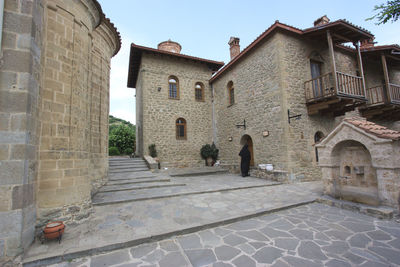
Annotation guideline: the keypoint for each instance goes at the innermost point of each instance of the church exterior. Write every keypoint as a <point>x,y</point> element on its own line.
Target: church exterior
<point>54,105</point>
<point>282,94</point>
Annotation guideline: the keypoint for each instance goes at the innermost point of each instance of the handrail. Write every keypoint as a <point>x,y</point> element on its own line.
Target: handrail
<point>319,87</point>
<point>375,95</point>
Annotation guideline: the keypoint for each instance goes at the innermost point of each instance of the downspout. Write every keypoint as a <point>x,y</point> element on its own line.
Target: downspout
<point>214,131</point>
<point>1,25</point>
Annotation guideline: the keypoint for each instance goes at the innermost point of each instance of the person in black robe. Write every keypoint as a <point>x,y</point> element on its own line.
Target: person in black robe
<point>245,161</point>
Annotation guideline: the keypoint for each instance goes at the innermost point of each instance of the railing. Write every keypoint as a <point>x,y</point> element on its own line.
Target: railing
<point>350,85</point>
<point>375,95</point>
<point>323,87</point>
<point>394,93</point>
<point>319,88</point>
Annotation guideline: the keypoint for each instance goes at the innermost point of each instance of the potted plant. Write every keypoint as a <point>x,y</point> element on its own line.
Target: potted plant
<point>209,153</point>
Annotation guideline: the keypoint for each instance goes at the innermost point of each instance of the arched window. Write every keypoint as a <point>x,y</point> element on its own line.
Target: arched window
<point>318,136</point>
<point>199,92</point>
<point>231,93</point>
<point>173,87</point>
<point>180,128</point>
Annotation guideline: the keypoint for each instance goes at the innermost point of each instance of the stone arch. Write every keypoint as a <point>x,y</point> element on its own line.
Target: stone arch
<point>315,56</point>
<point>247,139</point>
<point>352,174</point>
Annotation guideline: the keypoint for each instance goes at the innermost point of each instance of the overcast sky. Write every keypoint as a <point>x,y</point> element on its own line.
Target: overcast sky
<point>203,29</point>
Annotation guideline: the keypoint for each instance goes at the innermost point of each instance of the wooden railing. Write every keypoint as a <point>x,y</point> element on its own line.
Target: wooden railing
<point>350,85</point>
<point>394,93</point>
<point>323,87</point>
<point>319,88</point>
<point>375,95</point>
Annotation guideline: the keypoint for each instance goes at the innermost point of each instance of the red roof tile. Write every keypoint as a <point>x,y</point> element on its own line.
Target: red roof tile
<point>373,128</point>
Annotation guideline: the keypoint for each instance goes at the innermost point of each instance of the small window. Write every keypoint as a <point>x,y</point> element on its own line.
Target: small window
<point>180,128</point>
<point>318,136</point>
<point>231,93</point>
<point>173,87</point>
<point>199,92</point>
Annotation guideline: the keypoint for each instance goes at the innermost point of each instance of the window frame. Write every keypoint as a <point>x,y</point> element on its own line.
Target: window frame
<point>184,123</point>
<point>171,77</point>
<point>202,92</point>
<point>231,93</point>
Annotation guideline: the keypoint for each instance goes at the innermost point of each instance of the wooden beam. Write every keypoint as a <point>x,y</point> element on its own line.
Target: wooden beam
<point>360,67</point>
<point>341,37</point>
<point>388,95</point>
<point>332,56</point>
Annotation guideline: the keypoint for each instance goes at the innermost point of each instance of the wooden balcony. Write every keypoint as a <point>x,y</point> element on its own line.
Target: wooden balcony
<point>382,104</point>
<point>323,98</point>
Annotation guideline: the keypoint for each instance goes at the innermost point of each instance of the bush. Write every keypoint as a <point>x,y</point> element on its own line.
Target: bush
<point>209,151</point>
<point>113,151</point>
<point>152,150</point>
<point>122,137</point>
<point>128,151</point>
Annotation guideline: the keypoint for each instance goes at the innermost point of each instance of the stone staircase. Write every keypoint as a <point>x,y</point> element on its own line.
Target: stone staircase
<point>123,165</point>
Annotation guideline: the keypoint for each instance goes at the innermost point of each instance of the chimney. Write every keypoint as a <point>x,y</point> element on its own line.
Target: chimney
<point>170,46</point>
<point>321,21</point>
<point>367,43</point>
<point>234,47</point>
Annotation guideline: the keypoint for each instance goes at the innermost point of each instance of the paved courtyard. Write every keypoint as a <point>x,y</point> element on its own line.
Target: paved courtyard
<point>309,235</point>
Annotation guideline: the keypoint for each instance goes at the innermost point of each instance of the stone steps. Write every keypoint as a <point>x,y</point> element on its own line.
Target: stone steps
<point>136,181</point>
<point>129,176</point>
<point>137,186</point>
<point>127,170</point>
<point>158,193</point>
<point>196,171</point>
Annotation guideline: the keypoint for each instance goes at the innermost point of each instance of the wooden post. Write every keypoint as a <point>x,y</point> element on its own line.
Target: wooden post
<point>360,67</point>
<point>388,95</point>
<point>333,63</point>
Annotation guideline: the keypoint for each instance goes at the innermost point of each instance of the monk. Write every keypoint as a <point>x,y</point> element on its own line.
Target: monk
<point>245,161</point>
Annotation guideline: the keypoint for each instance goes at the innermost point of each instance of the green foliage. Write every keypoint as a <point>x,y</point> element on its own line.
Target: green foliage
<point>387,12</point>
<point>152,150</point>
<point>128,151</point>
<point>115,122</point>
<point>113,151</point>
<point>122,137</point>
<point>208,150</point>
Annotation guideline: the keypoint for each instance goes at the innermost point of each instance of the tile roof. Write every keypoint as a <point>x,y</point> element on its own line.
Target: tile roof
<point>373,128</point>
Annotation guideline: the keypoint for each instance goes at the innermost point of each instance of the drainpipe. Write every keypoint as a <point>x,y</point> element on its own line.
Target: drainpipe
<point>214,131</point>
<point>1,25</point>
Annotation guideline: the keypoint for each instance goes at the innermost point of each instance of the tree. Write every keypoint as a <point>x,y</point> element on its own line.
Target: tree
<point>387,12</point>
<point>122,137</point>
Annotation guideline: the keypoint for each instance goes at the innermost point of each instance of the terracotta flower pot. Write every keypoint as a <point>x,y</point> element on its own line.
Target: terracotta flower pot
<point>54,230</point>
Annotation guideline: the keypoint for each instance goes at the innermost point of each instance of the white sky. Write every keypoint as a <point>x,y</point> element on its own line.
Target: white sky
<point>203,28</point>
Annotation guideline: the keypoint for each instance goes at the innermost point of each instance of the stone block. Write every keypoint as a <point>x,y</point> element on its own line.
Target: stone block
<point>4,121</point>
<point>22,196</point>
<point>48,184</point>
<point>65,164</point>
<point>11,172</point>
<point>67,182</point>
<point>48,164</point>
<point>13,246</point>
<point>13,101</point>
<point>10,223</point>
<point>18,151</point>
<point>50,174</point>
<point>5,198</point>
<point>2,248</point>
<point>24,41</point>
<point>4,151</point>
<point>18,61</point>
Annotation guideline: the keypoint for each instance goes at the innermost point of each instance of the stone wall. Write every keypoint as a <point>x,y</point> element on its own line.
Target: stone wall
<point>20,76</point>
<point>54,98</point>
<point>268,82</point>
<point>158,114</point>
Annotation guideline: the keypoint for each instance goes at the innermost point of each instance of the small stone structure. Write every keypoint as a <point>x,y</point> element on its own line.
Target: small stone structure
<point>360,162</point>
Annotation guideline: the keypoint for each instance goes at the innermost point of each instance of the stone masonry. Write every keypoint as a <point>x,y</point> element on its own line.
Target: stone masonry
<point>54,94</point>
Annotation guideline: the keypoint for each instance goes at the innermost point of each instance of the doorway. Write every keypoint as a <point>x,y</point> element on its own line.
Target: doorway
<point>247,139</point>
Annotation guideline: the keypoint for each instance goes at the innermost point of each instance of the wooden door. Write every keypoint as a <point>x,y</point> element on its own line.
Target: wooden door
<point>316,72</point>
<point>250,143</point>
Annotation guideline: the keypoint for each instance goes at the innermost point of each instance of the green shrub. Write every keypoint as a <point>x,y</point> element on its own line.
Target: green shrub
<point>209,151</point>
<point>122,137</point>
<point>152,150</point>
<point>128,151</point>
<point>113,151</point>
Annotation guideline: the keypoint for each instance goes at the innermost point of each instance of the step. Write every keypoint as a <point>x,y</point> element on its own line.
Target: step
<point>140,186</point>
<point>127,170</point>
<point>124,159</point>
<point>127,166</point>
<point>127,163</point>
<point>196,172</point>
<point>147,194</point>
<point>136,181</point>
<point>131,175</point>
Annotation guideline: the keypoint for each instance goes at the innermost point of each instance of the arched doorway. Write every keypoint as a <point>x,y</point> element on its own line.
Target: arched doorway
<point>247,139</point>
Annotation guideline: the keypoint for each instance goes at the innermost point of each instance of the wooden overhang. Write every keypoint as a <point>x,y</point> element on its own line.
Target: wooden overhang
<point>391,52</point>
<point>136,57</point>
<point>342,31</point>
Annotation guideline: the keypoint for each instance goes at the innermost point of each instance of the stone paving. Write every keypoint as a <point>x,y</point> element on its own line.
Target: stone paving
<point>126,224</point>
<point>310,235</point>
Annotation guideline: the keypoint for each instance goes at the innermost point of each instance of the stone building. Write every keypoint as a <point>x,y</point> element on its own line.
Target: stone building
<point>54,103</point>
<point>282,94</point>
